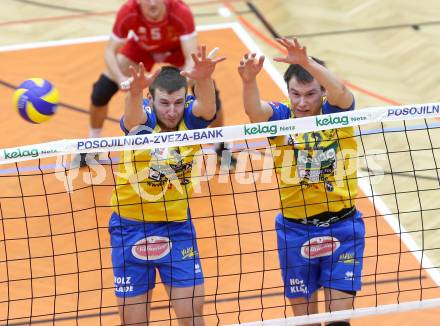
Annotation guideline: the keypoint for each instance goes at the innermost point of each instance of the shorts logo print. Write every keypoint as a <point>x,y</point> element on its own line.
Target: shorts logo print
<point>320,247</point>
<point>189,253</point>
<point>348,259</point>
<point>151,248</point>
<point>297,286</point>
<point>349,276</point>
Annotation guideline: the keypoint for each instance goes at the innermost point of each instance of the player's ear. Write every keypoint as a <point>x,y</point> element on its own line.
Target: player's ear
<point>149,96</point>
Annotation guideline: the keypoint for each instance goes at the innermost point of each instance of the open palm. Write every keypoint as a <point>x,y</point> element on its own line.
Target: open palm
<point>204,65</point>
<point>249,67</point>
<point>139,80</point>
<point>296,53</point>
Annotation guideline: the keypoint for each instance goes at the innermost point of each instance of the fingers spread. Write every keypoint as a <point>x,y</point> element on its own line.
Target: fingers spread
<point>220,59</point>
<point>155,74</point>
<point>132,70</point>
<point>194,57</point>
<point>141,69</point>
<point>213,52</point>
<point>281,59</point>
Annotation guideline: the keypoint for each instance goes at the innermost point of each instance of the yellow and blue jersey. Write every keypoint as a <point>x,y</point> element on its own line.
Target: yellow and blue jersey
<point>154,185</point>
<point>317,170</point>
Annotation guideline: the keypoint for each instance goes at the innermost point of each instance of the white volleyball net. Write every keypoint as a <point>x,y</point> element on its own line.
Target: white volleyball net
<point>55,264</point>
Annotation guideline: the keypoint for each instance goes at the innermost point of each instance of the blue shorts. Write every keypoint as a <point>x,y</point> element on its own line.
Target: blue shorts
<point>138,248</point>
<point>312,257</point>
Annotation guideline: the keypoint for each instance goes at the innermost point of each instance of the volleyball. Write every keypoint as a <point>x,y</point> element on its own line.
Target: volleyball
<point>36,100</point>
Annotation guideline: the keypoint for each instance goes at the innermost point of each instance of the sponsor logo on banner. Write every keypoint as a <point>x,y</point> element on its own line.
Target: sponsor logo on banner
<point>287,128</point>
<point>320,247</point>
<point>19,153</point>
<point>422,110</point>
<point>208,134</point>
<point>157,138</point>
<point>259,129</point>
<point>330,120</point>
<point>105,143</point>
<point>151,248</point>
<point>359,118</point>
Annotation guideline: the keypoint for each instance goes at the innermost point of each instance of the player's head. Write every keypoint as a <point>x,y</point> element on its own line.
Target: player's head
<point>305,92</point>
<point>168,92</point>
<point>153,10</point>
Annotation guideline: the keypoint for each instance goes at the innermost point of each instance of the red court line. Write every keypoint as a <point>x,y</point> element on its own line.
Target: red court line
<point>230,6</point>
<point>249,25</point>
<point>54,18</point>
<point>275,45</point>
<point>102,13</point>
<point>371,94</point>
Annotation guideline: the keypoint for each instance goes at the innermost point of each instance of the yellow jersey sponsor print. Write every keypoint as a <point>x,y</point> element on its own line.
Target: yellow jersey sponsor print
<point>316,170</point>
<point>154,185</point>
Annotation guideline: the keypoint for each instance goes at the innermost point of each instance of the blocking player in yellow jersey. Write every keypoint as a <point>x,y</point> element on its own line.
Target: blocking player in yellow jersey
<point>320,233</point>
<point>151,227</point>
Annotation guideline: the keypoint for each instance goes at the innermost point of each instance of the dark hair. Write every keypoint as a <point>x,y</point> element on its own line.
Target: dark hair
<point>300,74</point>
<point>168,80</point>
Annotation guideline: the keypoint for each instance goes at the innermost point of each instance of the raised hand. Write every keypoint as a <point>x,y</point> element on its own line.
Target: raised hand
<point>138,80</point>
<point>296,53</point>
<point>204,65</point>
<point>250,67</point>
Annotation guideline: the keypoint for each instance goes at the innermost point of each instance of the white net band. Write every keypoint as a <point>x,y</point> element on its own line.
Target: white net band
<point>348,314</point>
<point>223,134</point>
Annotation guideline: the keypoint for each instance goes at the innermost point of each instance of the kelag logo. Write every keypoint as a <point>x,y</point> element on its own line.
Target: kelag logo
<point>273,129</point>
<point>19,153</point>
<point>330,120</point>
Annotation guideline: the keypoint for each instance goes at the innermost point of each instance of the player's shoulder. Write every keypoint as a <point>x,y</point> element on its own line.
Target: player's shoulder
<point>329,108</point>
<point>281,110</point>
<point>279,105</point>
<point>189,100</point>
<point>147,107</point>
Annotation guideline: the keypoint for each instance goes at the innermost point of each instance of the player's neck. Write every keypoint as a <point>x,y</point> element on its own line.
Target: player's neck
<point>164,128</point>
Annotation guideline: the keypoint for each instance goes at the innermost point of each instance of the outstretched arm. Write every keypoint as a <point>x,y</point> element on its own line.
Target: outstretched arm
<point>201,73</point>
<point>189,46</point>
<point>111,61</point>
<point>337,94</point>
<point>134,115</point>
<point>257,110</point>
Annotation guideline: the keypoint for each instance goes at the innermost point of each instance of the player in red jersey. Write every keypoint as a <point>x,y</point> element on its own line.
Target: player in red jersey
<point>147,31</point>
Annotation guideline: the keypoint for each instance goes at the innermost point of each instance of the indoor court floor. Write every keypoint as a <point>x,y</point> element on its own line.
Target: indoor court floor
<point>236,237</point>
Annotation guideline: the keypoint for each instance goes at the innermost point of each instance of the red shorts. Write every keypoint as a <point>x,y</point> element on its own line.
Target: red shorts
<point>135,53</point>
